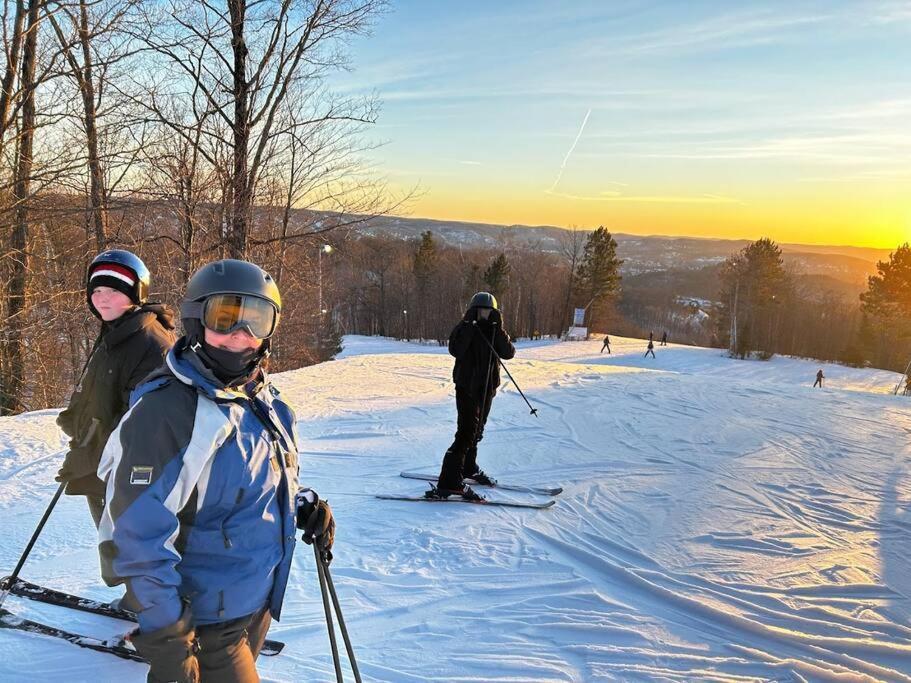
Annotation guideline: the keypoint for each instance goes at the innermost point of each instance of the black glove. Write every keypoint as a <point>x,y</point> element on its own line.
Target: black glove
<point>495,317</point>
<point>65,422</point>
<point>314,518</point>
<point>170,651</point>
<point>76,464</point>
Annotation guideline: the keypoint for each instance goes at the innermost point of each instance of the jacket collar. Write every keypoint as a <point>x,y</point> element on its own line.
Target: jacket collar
<point>188,367</point>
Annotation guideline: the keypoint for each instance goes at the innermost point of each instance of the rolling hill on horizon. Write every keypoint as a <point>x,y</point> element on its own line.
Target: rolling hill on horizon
<point>641,253</point>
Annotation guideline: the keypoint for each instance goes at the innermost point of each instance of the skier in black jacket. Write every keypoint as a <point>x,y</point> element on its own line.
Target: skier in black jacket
<point>134,338</point>
<point>476,342</point>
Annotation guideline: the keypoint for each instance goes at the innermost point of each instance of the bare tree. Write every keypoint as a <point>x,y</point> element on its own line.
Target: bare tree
<point>13,369</point>
<point>13,49</point>
<point>92,42</point>
<point>240,66</point>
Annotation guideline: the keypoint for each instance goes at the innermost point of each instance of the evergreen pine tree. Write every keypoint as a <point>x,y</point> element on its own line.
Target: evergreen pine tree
<point>424,268</point>
<point>597,279</point>
<point>425,261</point>
<point>887,302</point>
<point>496,277</point>
<point>754,287</point>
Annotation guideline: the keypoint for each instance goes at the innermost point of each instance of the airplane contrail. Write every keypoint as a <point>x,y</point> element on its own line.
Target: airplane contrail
<point>569,153</point>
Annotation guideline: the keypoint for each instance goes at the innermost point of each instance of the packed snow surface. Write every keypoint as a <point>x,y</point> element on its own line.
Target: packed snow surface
<point>720,521</point>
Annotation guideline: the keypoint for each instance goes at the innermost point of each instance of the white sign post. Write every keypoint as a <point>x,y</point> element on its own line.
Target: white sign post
<point>579,317</point>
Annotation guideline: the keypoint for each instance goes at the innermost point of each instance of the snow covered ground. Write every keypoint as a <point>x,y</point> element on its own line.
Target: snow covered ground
<point>721,521</point>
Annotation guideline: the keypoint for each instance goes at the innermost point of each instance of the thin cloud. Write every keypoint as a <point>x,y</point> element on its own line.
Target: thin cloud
<point>891,13</point>
<point>569,153</point>
<point>891,108</point>
<point>853,148</point>
<point>863,176</point>
<point>732,30</point>
<point>610,196</point>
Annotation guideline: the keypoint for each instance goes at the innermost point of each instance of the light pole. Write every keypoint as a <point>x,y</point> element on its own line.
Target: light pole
<point>405,314</point>
<point>327,248</point>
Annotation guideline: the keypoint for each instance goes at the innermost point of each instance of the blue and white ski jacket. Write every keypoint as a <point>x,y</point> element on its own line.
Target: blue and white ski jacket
<point>201,483</point>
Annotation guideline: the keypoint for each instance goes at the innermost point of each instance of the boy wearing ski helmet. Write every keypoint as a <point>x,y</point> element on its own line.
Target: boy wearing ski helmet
<point>477,342</point>
<point>133,340</point>
<point>203,497</point>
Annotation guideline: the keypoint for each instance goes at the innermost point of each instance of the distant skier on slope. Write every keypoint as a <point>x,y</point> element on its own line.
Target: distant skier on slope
<point>606,344</point>
<point>664,339</point>
<point>475,342</point>
<point>202,484</point>
<point>133,340</point>
<point>651,349</point>
<point>819,378</point>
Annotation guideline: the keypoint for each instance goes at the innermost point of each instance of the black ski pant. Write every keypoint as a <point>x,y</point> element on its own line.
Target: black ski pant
<point>227,651</point>
<point>817,383</point>
<point>606,346</point>
<point>650,351</point>
<point>461,459</point>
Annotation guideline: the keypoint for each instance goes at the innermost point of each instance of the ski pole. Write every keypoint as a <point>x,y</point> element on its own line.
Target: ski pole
<point>327,610</point>
<point>534,411</point>
<point>338,613</point>
<point>11,579</point>
<point>484,397</point>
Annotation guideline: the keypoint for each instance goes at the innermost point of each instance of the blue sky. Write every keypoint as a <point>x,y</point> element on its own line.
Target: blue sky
<point>726,119</point>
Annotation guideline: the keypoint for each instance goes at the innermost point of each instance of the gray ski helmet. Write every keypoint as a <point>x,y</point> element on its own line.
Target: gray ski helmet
<point>119,260</point>
<point>484,300</point>
<point>229,276</point>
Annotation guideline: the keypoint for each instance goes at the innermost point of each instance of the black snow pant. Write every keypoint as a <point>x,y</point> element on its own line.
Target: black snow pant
<point>461,459</point>
<point>228,651</point>
<point>650,351</point>
<point>817,383</point>
<point>606,346</point>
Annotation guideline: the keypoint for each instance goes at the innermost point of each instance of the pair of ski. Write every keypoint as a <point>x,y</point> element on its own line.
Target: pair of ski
<point>541,491</point>
<point>118,646</point>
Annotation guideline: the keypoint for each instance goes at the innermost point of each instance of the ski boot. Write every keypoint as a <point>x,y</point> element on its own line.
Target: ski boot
<point>466,492</point>
<point>481,478</point>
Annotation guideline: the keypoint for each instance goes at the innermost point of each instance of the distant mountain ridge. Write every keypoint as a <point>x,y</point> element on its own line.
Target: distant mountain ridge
<point>641,253</point>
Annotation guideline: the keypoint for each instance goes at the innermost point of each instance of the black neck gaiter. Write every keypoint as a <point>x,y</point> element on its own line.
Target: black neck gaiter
<point>231,367</point>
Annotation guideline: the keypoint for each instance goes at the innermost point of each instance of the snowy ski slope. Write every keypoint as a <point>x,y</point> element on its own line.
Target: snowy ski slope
<point>720,521</point>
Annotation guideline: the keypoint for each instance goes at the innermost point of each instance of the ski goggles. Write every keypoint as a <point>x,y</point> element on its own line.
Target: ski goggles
<point>227,313</point>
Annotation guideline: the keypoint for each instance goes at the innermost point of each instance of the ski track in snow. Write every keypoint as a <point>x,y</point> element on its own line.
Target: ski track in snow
<point>720,521</point>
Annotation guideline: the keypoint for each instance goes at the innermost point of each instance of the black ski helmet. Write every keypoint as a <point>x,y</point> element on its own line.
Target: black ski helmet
<point>484,300</point>
<point>228,276</point>
<point>125,266</point>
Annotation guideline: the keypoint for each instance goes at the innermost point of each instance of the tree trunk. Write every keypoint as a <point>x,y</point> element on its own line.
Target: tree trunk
<point>11,399</point>
<point>12,66</point>
<point>98,195</point>
<point>240,186</point>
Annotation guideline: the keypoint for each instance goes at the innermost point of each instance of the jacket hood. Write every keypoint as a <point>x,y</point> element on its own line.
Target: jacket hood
<point>133,321</point>
<point>162,312</point>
